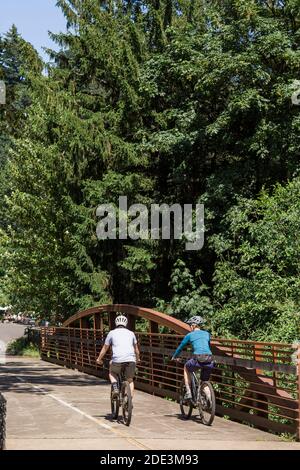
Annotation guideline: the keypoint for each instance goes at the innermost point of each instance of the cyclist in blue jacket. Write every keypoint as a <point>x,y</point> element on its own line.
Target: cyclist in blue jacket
<point>202,355</point>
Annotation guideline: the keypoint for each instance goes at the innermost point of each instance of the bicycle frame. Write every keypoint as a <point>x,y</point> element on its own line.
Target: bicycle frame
<point>195,384</point>
<point>120,381</point>
<point>119,401</point>
<point>206,403</point>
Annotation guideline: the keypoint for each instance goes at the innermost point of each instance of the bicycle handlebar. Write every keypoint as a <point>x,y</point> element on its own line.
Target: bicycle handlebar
<point>180,360</point>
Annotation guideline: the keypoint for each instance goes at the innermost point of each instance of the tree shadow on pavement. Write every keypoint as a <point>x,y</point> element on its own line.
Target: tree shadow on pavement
<point>44,376</point>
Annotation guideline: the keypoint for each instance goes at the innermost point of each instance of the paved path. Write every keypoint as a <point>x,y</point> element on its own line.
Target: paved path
<point>50,407</point>
<point>11,331</point>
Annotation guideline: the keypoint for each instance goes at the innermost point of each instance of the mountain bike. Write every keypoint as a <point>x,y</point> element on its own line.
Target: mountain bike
<point>123,400</point>
<point>203,399</point>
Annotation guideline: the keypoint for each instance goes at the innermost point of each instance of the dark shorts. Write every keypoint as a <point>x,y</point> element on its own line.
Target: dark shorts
<point>206,367</point>
<point>128,368</point>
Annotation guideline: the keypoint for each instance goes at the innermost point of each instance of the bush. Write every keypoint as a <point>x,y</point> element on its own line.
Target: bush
<point>257,282</point>
<point>23,347</point>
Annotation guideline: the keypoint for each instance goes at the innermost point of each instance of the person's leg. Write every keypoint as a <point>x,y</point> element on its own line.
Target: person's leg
<point>187,378</point>
<point>129,374</point>
<point>131,383</point>
<point>206,371</point>
<point>114,371</point>
<point>113,378</point>
<point>188,368</point>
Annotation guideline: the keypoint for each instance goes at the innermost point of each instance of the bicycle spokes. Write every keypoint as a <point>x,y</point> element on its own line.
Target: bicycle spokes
<point>207,403</point>
<point>203,398</point>
<point>126,403</point>
<point>186,406</point>
<point>115,405</point>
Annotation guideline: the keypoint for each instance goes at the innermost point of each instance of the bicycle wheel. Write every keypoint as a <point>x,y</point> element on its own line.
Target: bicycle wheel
<point>126,403</point>
<point>115,405</point>
<point>186,406</point>
<point>206,403</point>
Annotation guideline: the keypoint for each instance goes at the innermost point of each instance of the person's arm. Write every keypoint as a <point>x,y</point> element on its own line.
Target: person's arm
<point>183,343</point>
<point>136,348</point>
<point>104,349</point>
<point>209,345</point>
<point>102,354</point>
<point>137,353</point>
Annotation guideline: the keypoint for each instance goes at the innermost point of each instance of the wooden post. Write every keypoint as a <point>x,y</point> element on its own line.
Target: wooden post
<point>44,334</point>
<point>69,347</point>
<point>112,319</point>
<point>257,357</point>
<point>153,329</point>
<point>84,323</point>
<point>259,396</point>
<point>98,325</point>
<point>274,354</point>
<point>131,322</point>
<point>98,322</point>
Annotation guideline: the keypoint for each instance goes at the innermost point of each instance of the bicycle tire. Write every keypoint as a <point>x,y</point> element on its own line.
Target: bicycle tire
<point>115,405</point>
<point>126,403</point>
<point>186,408</point>
<point>206,403</point>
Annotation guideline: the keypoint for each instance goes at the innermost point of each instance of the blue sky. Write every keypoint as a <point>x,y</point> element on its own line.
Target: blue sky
<point>33,18</point>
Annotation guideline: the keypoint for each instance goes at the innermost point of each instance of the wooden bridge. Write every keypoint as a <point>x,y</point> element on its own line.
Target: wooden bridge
<point>256,383</point>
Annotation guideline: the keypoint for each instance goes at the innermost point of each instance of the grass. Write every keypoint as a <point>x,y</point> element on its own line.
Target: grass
<point>23,347</point>
<point>287,437</point>
<point>170,399</point>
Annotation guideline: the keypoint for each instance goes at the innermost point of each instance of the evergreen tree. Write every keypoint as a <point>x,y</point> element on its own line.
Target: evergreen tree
<point>18,60</point>
<point>165,101</point>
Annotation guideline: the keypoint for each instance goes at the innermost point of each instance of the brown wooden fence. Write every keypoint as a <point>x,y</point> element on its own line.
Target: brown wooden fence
<point>255,383</point>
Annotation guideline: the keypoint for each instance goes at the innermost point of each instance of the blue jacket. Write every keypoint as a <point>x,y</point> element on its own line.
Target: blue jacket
<point>200,341</point>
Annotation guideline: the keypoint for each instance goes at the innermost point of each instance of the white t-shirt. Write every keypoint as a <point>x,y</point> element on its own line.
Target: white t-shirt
<point>122,342</point>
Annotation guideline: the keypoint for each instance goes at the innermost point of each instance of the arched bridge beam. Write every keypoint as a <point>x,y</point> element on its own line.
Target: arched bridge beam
<point>153,316</point>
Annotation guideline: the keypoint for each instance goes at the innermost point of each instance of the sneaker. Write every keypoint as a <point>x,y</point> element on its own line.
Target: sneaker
<point>187,396</point>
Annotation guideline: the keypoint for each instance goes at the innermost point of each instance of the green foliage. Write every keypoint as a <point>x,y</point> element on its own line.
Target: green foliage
<point>257,277</point>
<point>189,295</point>
<point>162,101</point>
<point>18,61</point>
<point>23,347</point>
<point>288,437</point>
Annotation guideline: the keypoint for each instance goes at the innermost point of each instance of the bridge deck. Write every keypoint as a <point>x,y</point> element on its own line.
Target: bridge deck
<point>50,407</point>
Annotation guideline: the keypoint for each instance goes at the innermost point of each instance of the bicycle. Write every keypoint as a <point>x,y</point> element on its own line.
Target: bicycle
<point>203,399</point>
<point>123,399</point>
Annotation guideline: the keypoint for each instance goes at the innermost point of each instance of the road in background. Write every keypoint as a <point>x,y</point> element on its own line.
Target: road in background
<point>11,331</point>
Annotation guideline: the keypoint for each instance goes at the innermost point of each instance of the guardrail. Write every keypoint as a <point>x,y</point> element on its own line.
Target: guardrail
<point>255,383</point>
<point>2,421</point>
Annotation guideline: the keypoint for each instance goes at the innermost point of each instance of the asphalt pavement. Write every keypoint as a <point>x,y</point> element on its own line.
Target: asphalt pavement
<point>51,407</point>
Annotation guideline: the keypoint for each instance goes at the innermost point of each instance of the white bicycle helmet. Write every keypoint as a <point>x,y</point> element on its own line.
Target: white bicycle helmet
<point>121,320</point>
<point>196,320</point>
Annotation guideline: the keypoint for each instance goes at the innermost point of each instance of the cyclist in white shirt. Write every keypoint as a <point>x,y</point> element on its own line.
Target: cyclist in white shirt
<point>125,353</point>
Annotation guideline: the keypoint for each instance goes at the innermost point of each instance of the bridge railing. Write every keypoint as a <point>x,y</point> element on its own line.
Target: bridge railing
<point>256,383</point>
